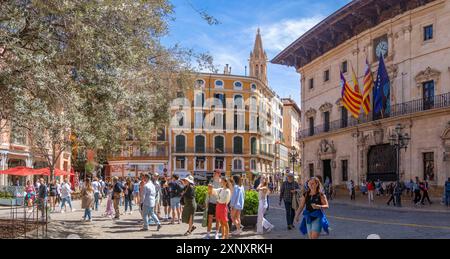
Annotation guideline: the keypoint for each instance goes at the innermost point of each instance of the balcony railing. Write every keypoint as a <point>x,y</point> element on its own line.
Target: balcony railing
<point>219,152</point>
<point>438,101</point>
<point>162,152</point>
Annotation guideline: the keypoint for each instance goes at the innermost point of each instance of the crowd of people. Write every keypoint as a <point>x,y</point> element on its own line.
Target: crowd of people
<point>172,200</point>
<point>417,190</point>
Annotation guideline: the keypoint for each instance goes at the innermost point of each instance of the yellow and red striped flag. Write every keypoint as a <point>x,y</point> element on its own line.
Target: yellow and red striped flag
<point>368,87</point>
<point>351,99</point>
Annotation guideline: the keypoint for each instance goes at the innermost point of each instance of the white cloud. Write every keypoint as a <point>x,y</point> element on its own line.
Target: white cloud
<point>278,36</point>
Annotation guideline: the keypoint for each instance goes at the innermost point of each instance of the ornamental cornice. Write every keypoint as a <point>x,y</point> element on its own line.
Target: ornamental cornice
<point>428,74</point>
<point>326,107</point>
<point>310,113</point>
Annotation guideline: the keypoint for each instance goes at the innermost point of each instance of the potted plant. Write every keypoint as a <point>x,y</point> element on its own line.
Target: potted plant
<point>201,192</point>
<point>6,199</point>
<point>249,216</point>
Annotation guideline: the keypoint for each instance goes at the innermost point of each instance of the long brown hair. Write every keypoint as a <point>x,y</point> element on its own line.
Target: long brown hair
<point>319,188</point>
<point>227,182</point>
<point>88,185</point>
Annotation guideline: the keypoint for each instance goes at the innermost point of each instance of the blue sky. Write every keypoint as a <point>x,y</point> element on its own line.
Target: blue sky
<point>230,42</point>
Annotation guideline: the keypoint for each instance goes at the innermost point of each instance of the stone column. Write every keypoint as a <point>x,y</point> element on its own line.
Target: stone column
<point>3,157</point>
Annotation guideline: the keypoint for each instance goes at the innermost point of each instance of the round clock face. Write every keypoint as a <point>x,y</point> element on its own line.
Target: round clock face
<point>382,48</point>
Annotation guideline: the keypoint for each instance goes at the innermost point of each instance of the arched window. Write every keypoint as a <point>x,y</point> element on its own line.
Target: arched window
<point>253,104</point>
<point>237,145</point>
<point>238,85</point>
<point>180,143</point>
<point>254,87</point>
<point>219,84</point>
<point>238,102</point>
<point>253,165</point>
<point>200,144</point>
<point>238,164</point>
<point>253,145</point>
<point>200,83</point>
<point>219,144</point>
<point>199,99</point>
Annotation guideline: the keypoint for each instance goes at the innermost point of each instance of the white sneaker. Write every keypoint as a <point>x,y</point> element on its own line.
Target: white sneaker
<point>73,210</point>
<point>217,236</point>
<point>207,236</point>
<point>62,212</point>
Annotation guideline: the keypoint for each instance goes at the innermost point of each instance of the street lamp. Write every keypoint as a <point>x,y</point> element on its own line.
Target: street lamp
<point>399,140</point>
<point>293,156</point>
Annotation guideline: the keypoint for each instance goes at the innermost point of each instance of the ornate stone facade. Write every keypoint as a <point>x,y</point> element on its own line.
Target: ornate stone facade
<point>420,94</point>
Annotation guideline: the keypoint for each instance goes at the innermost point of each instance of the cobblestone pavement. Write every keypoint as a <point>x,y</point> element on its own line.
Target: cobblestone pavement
<point>347,220</point>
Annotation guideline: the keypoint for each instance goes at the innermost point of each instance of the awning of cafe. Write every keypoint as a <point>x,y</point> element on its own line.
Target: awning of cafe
<point>20,171</point>
<point>27,171</point>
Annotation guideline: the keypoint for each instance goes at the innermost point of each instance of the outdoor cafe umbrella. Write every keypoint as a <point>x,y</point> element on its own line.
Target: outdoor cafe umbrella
<point>20,171</point>
<point>56,171</point>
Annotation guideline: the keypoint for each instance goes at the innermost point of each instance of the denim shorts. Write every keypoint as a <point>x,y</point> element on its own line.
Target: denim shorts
<point>175,202</point>
<point>315,226</point>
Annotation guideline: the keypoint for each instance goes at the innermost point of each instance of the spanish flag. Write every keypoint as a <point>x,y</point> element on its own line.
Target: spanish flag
<point>351,99</point>
<point>368,88</point>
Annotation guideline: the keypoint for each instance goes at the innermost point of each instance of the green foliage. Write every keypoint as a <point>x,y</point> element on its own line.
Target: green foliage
<point>6,195</point>
<point>200,194</point>
<point>92,69</point>
<point>89,167</point>
<point>251,203</point>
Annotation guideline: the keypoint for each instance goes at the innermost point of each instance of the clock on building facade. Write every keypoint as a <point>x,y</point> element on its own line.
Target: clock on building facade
<point>380,47</point>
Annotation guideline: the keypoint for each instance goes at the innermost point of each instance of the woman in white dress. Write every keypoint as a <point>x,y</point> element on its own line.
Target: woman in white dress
<point>263,191</point>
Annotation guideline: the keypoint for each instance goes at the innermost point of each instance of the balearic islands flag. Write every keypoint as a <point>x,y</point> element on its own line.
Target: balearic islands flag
<point>368,88</point>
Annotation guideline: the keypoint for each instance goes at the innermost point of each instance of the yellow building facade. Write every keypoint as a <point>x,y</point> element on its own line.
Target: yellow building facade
<point>225,123</point>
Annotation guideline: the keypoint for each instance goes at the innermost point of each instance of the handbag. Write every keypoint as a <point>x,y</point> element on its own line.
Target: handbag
<point>205,213</point>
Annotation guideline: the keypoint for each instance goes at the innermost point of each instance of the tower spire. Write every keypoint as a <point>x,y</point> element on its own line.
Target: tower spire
<point>258,59</point>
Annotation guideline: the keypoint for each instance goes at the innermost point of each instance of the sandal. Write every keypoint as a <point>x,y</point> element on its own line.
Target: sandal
<point>188,233</point>
<point>193,228</point>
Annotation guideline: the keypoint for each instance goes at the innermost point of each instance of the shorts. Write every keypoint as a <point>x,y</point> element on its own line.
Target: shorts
<point>315,226</point>
<point>221,212</point>
<point>212,209</point>
<point>166,202</point>
<point>175,202</point>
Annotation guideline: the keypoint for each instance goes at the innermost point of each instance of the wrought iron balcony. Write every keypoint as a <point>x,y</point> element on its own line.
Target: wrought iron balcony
<point>411,107</point>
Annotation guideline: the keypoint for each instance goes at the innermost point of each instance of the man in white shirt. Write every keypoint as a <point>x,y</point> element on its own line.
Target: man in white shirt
<point>65,195</point>
<point>149,202</point>
<point>96,186</point>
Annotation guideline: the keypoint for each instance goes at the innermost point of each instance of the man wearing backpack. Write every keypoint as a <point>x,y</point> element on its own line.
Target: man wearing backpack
<point>117,193</point>
<point>175,190</point>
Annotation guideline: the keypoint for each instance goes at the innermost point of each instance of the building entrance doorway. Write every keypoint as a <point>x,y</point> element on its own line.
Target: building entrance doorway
<point>327,171</point>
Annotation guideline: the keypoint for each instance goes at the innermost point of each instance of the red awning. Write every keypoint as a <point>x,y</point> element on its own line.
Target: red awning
<point>20,171</point>
<point>26,171</point>
<point>57,172</point>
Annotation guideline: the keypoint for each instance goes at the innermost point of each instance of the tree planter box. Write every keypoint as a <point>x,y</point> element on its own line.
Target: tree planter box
<point>7,202</point>
<point>249,221</point>
<point>12,202</point>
